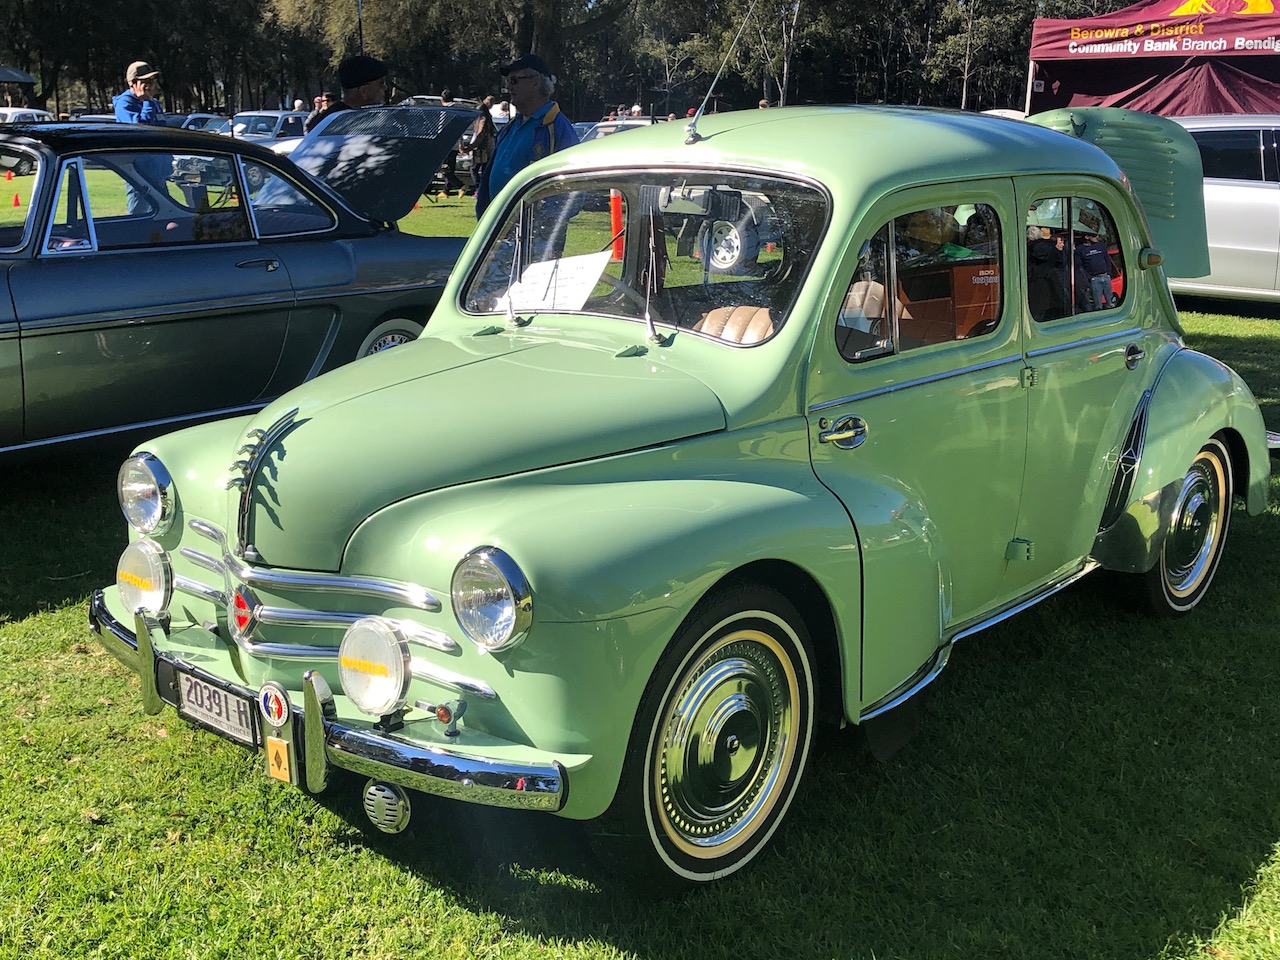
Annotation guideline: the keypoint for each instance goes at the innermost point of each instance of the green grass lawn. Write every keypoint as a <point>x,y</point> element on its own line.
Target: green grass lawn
<point>1087,783</point>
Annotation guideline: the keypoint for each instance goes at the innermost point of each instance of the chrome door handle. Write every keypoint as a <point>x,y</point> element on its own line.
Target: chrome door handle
<point>1134,355</point>
<point>271,263</point>
<point>846,433</point>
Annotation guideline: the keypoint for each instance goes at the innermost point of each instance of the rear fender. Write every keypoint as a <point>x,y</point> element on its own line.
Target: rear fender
<point>1194,398</point>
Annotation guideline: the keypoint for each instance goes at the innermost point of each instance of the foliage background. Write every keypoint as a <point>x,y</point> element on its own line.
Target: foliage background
<point>663,54</point>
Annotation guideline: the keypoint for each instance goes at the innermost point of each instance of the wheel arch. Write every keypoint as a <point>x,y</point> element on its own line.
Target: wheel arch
<point>1195,398</point>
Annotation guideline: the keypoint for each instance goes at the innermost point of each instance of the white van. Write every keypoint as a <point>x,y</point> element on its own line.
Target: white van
<point>1242,206</point>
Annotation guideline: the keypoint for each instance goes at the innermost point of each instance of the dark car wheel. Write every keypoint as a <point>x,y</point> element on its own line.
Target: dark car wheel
<point>391,333</point>
<point>1196,536</point>
<point>718,747</point>
<point>23,167</point>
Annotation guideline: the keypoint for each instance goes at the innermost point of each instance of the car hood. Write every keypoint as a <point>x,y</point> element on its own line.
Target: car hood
<point>381,159</point>
<point>438,413</point>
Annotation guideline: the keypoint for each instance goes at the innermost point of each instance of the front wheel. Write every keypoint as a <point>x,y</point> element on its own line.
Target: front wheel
<point>1197,533</point>
<point>718,747</point>
<point>390,333</point>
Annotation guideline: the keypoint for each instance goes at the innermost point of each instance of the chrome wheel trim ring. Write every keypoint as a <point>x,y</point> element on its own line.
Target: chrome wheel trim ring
<point>1196,527</point>
<point>392,338</point>
<point>726,741</point>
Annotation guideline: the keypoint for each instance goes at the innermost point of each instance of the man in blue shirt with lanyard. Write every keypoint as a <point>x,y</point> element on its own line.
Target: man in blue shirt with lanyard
<point>539,130</point>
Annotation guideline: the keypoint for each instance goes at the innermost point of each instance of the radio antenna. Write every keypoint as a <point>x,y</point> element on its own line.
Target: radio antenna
<point>692,128</point>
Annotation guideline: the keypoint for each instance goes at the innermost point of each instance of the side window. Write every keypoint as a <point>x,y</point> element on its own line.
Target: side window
<point>927,277</point>
<point>1230,154</point>
<point>1075,263</point>
<point>292,127</point>
<point>279,207</point>
<point>162,199</point>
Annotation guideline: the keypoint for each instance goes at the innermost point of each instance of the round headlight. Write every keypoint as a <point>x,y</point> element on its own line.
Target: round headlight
<point>144,578</point>
<point>146,494</point>
<point>491,599</point>
<point>373,666</point>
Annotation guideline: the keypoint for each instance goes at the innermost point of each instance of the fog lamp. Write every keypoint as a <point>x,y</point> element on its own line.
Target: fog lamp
<point>373,666</point>
<point>144,578</point>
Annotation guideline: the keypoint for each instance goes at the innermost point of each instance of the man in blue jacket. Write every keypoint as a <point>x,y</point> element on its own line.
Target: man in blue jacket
<point>139,104</point>
<point>539,130</point>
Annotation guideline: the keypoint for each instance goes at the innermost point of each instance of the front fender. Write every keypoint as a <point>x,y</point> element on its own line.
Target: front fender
<point>1194,398</point>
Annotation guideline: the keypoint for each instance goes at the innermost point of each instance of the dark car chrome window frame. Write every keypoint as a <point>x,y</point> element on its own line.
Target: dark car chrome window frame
<point>29,224</point>
<point>71,164</point>
<point>334,220</point>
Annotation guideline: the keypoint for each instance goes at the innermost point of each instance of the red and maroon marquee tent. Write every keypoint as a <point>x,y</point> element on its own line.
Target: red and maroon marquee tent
<point>1169,57</point>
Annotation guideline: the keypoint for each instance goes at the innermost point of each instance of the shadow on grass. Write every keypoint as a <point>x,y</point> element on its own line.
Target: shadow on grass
<point>50,502</point>
<point>1088,782</point>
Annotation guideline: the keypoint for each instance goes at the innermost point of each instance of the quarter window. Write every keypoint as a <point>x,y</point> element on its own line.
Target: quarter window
<point>943,265</point>
<point>1074,260</point>
<point>1231,154</point>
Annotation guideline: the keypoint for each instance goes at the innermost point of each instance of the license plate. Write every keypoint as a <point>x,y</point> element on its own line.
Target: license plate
<point>225,712</point>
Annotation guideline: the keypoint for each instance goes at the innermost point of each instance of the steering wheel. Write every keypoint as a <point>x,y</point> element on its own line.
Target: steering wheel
<point>635,296</point>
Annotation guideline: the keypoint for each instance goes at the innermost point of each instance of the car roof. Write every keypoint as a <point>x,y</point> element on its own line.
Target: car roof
<point>272,113</point>
<point>73,137</point>
<point>869,148</point>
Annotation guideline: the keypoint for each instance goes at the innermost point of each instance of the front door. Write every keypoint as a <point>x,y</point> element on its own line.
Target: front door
<point>142,305</point>
<point>918,418</point>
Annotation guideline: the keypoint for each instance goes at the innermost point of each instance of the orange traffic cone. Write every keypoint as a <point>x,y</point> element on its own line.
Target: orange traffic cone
<point>415,206</point>
<point>16,201</point>
<point>8,174</point>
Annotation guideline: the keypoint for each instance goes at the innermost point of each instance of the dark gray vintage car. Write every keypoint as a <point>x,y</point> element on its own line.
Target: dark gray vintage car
<point>154,275</point>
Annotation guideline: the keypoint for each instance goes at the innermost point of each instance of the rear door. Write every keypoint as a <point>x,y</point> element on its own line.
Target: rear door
<point>918,417</point>
<point>148,299</point>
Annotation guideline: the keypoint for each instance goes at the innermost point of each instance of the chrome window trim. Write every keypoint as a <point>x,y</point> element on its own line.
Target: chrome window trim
<point>401,592</point>
<point>1128,334</point>
<point>44,250</point>
<point>919,381</point>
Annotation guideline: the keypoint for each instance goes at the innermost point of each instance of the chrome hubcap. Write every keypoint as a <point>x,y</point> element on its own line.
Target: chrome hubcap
<point>1196,528</point>
<point>728,741</point>
<point>387,341</point>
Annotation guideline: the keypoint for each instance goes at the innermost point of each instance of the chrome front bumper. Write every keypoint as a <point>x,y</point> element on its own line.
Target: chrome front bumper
<point>323,741</point>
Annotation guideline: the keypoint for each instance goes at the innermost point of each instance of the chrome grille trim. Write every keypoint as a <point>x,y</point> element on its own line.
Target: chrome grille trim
<point>284,616</point>
<point>403,593</point>
<point>204,560</point>
<point>196,588</point>
<point>425,636</point>
<point>422,670</point>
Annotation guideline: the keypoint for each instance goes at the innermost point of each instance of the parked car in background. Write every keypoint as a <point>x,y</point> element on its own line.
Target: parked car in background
<point>200,121</point>
<point>582,128</point>
<point>267,124</point>
<point>1241,160</point>
<point>462,161</point>
<point>25,115</point>
<point>608,127</point>
<point>618,531</point>
<point>157,276</point>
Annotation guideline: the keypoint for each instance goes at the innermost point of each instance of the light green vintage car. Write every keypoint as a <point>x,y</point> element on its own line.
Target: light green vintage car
<point>718,433</point>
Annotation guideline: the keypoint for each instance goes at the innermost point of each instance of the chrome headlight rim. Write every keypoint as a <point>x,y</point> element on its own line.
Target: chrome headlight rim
<point>157,560</point>
<point>517,587</point>
<point>161,480</point>
<point>354,667</point>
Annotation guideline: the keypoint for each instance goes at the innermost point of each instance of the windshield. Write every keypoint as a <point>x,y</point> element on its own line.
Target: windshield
<point>720,254</point>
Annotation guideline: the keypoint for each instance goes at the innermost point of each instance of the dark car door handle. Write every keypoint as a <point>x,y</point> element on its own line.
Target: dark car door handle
<point>270,263</point>
<point>1134,355</point>
<point>846,433</point>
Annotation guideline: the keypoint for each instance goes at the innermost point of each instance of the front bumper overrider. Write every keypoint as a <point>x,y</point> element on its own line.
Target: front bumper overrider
<point>322,741</point>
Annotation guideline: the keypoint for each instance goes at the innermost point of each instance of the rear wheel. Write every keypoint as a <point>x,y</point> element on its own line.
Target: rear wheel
<point>1196,536</point>
<point>391,333</point>
<point>718,748</point>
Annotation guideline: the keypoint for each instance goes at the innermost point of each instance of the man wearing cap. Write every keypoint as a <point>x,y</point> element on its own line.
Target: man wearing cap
<point>539,130</point>
<point>364,84</point>
<point>139,104</point>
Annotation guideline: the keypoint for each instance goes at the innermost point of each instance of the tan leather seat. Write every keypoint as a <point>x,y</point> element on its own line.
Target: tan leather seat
<point>743,324</point>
